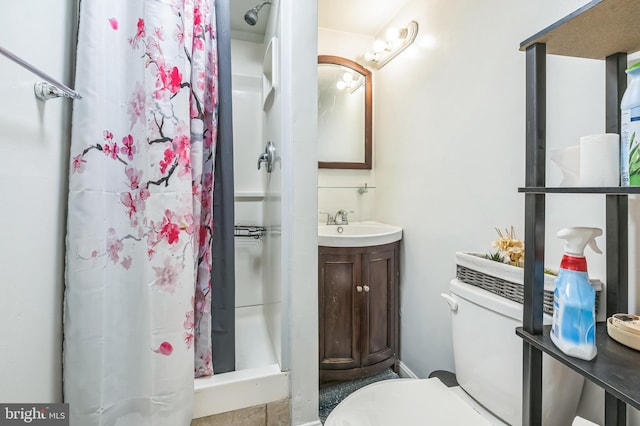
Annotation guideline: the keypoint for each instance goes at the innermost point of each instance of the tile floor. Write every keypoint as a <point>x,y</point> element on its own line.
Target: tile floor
<point>271,414</point>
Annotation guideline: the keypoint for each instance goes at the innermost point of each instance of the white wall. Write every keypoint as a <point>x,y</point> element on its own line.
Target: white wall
<point>450,147</point>
<point>34,150</point>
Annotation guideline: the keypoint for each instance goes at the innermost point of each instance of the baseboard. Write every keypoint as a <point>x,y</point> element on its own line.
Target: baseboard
<point>405,372</point>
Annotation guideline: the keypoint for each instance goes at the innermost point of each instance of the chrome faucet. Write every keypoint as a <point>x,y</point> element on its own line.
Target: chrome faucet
<point>341,217</point>
<point>330,218</point>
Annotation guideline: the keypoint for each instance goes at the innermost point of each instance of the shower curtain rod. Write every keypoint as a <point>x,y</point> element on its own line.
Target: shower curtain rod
<point>52,88</point>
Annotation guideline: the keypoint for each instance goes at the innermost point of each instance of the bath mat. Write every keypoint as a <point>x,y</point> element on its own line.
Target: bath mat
<point>332,394</point>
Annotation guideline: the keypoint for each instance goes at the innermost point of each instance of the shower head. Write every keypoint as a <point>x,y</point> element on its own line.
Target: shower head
<point>251,17</point>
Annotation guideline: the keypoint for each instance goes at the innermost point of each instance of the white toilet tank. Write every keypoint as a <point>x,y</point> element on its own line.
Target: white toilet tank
<point>488,359</point>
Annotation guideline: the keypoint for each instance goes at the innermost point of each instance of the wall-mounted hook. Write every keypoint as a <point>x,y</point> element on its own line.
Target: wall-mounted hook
<point>45,91</point>
<point>48,89</point>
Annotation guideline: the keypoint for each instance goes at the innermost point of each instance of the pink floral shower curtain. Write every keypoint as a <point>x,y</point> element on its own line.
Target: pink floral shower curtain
<point>140,220</point>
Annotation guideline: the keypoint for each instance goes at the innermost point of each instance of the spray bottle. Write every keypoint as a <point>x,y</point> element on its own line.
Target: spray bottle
<point>574,314</point>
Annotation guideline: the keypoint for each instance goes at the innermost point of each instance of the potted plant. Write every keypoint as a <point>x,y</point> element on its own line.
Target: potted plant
<point>502,272</point>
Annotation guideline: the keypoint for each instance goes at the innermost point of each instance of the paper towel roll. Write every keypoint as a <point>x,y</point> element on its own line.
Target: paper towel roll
<point>600,160</point>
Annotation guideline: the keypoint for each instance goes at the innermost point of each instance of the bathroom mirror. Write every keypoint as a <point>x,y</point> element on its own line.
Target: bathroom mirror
<point>344,114</point>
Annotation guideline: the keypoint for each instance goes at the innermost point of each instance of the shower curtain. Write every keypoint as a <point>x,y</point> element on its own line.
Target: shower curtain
<point>140,215</point>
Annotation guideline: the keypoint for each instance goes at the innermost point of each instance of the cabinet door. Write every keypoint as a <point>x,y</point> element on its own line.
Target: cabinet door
<point>379,314</point>
<point>339,309</point>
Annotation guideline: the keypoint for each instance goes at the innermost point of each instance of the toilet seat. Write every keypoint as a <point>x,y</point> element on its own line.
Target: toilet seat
<point>407,402</point>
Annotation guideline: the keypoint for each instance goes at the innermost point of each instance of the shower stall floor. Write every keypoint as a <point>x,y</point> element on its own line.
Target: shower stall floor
<point>253,343</point>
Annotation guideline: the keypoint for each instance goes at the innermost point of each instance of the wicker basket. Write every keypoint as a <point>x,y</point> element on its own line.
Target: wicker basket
<point>505,280</point>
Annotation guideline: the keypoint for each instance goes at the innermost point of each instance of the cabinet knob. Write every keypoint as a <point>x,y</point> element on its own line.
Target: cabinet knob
<point>366,288</point>
<point>359,288</point>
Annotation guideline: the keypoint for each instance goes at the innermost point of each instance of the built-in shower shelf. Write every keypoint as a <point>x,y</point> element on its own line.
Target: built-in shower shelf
<point>249,196</point>
<point>615,368</point>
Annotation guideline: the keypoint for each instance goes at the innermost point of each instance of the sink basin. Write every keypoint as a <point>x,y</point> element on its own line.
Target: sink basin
<point>358,234</point>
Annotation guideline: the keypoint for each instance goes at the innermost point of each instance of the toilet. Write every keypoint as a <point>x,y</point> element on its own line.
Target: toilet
<point>488,363</point>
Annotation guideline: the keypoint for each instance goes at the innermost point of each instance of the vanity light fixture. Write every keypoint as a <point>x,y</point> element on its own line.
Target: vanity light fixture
<point>396,41</point>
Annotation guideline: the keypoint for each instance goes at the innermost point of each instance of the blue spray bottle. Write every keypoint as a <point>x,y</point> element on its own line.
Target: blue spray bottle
<point>574,313</point>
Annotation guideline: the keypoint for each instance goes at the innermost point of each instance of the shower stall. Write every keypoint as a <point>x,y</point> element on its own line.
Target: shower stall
<point>258,376</point>
<point>288,107</point>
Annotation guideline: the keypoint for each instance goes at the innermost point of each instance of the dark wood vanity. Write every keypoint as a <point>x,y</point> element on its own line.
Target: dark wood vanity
<point>358,310</point>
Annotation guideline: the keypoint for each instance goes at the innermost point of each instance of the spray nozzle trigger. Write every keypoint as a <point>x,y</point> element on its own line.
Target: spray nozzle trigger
<point>577,238</point>
<point>592,244</point>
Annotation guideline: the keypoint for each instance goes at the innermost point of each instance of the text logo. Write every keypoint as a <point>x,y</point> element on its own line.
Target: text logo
<point>34,414</point>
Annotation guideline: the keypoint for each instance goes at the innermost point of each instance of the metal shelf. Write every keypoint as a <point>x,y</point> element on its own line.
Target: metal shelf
<point>598,29</point>
<point>615,368</point>
<point>616,190</point>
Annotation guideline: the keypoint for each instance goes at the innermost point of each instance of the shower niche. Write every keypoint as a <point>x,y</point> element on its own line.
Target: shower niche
<point>269,74</point>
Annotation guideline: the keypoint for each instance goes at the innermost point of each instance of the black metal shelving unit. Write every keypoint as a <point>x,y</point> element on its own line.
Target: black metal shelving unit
<point>602,29</point>
<point>616,371</point>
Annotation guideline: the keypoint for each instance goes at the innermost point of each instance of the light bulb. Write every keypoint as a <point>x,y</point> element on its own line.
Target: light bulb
<point>347,77</point>
<point>393,34</point>
<point>341,85</point>
<point>370,57</point>
<point>379,46</point>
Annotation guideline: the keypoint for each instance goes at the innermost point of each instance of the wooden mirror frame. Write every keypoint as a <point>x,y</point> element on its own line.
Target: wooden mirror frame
<point>366,165</point>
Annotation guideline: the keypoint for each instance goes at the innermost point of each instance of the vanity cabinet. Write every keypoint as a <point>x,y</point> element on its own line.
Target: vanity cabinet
<point>358,310</point>
<point>606,30</point>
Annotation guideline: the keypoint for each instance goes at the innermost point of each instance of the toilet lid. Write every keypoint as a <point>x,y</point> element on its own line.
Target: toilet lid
<point>406,402</point>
